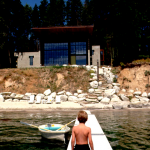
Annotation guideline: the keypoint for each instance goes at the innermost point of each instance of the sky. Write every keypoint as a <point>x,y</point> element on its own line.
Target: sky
<point>33,2</point>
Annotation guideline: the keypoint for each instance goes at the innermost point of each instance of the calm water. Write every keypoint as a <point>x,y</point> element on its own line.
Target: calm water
<point>125,129</point>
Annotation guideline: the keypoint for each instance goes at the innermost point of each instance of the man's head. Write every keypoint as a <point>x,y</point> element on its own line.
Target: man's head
<point>82,116</point>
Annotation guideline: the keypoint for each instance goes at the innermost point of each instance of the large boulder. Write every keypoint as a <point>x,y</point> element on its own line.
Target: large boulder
<point>88,68</point>
<point>76,94</point>
<point>144,99</point>
<point>16,100</point>
<point>27,94</point>
<point>117,106</point>
<point>101,72</point>
<point>148,95</point>
<point>105,100</point>
<point>123,90</point>
<point>81,99</point>
<point>13,95</point>
<point>79,91</point>
<point>95,78</point>
<point>100,98</point>
<point>40,94</point>
<point>117,89</point>
<point>72,98</point>
<point>1,98</point>
<point>146,105</point>
<point>135,103</point>
<point>131,91</point>
<point>108,93</point>
<point>98,91</point>
<point>109,80</point>
<point>47,92</point>
<point>19,96</point>
<point>135,100</point>
<point>9,100</point>
<point>125,104</point>
<point>137,93</point>
<point>53,95</point>
<point>63,98</point>
<point>82,95</point>
<point>26,97</point>
<point>94,84</point>
<point>61,93</point>
<point>123,97</point>
<point>109,86</point>
<point>144,94</point>
<point>68,94</point>
<point>115,98</point>
<point>115,84</point>
<point>92,100</point>
<point>91,90</point>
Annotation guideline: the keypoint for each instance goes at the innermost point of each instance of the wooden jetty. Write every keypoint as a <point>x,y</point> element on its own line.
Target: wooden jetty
<point>100,141</point>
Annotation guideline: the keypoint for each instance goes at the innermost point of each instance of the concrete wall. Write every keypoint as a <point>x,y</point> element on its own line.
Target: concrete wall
<point>95,54</point>
<point>88,51</point>
<point>24,60</point>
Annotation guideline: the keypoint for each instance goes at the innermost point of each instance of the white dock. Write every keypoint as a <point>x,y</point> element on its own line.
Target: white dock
<point>100,141</point>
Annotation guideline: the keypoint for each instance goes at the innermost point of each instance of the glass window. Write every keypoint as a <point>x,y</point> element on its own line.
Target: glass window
<point>31,60</point>
<point>81,60</point>
<point>55,53</point>
<point>78,53</point>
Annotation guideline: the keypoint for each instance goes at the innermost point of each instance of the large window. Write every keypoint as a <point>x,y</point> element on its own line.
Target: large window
<point>55,53</point>
<point>78,53</point>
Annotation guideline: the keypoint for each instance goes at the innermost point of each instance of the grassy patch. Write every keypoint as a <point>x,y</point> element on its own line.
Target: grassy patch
<point>141,61</point>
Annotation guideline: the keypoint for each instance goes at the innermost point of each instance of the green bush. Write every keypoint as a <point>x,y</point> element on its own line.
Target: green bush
<point>114,80</point>
<point>147,73</point>
<point>122,64</point>
<point>147,85</point>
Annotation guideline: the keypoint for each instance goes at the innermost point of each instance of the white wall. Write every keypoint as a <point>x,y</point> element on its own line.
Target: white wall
<point>24,60</point>
<point>96,54</point>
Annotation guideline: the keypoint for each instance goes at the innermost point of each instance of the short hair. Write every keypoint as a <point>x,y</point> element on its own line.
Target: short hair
<point>82,116</point>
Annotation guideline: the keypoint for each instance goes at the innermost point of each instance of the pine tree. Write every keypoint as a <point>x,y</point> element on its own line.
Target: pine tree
<point>35,16</point>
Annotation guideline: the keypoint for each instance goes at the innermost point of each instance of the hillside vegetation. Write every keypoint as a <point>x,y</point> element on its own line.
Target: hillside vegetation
<point>37,80</point>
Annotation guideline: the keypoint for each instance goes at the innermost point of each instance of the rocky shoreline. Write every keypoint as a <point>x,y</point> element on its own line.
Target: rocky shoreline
<point>104,94</point>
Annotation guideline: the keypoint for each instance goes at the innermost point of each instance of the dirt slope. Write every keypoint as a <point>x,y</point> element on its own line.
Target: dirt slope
<point>38,80</point>
<point>132,78</point>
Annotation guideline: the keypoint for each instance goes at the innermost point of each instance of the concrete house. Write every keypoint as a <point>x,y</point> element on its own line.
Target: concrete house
<point>61,45</point>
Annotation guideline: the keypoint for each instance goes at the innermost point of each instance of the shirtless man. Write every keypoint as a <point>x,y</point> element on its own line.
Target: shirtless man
<point>81,133</point>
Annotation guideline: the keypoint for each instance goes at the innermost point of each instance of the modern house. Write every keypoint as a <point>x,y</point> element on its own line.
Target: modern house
<point>61,45</point>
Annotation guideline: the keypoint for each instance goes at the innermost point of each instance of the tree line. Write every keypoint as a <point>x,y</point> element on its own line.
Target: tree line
<point>121,27</point>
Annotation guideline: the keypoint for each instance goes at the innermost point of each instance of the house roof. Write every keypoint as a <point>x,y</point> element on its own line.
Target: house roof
<point>65,29</point>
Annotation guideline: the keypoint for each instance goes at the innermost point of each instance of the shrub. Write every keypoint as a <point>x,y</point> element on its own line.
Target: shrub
<point>122,64</point>
<point>114,80</point>
<point>130,97</point>
<point>147,73</point>
<point>147,85</point>
<point>115,71</point>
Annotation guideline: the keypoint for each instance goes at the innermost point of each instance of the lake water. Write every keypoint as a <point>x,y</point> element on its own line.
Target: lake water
<point>125,129</point>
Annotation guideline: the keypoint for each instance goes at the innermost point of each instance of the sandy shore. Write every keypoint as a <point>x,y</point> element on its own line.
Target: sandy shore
<point>64,106</point>
<point>4,106</point>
